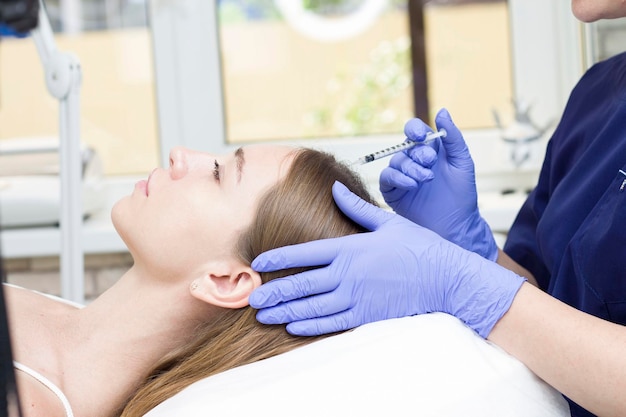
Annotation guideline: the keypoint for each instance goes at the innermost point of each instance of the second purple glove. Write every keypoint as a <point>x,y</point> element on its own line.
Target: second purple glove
<point>436,187</point>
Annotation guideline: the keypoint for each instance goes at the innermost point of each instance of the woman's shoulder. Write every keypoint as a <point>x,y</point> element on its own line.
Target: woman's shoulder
<point>17,296</point>
<point>34,319</point>
<point>37,400</point>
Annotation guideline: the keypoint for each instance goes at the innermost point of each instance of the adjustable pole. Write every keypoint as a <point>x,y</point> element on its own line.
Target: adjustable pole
<point>63,79</point>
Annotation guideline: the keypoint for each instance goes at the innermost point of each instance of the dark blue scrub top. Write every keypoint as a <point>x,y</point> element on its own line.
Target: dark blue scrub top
<point>571,232</point>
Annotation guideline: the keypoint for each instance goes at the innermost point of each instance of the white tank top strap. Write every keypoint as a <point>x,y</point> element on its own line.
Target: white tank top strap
<point>48,384</point>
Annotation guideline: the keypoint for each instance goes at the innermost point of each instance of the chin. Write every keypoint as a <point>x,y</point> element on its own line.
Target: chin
<point>116,211</point>
<point>584,14</point>
<point>589,11</point>
<point>118,217</point>
<point>584,10</point>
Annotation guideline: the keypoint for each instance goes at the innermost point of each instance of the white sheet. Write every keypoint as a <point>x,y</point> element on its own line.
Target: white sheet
<point>430,365</point>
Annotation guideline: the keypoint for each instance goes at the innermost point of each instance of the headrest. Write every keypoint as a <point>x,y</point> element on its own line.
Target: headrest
<point>429,365</point>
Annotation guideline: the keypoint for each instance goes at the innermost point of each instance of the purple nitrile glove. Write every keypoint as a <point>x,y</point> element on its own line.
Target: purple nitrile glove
<point>437,189</point>
<point>396,270</point>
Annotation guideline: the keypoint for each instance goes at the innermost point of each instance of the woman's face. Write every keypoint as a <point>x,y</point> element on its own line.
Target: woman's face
<point>592,10</point>
<point>192,213</point>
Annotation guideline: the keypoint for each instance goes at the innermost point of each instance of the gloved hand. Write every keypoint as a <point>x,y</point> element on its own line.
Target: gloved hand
<point>437,189</point>
<point>398,269</point>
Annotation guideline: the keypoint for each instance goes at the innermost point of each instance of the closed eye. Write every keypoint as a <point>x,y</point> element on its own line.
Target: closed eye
<point>216,170</point>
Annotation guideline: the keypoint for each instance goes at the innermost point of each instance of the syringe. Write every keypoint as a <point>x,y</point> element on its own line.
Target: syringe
<point>430,137</point>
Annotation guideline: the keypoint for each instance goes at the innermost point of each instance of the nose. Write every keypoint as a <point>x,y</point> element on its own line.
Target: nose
<point>179,165</point>
<point>183,161</point>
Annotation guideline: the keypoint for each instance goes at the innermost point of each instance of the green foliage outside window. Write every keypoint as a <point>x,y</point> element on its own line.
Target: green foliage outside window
<point>363,102</point>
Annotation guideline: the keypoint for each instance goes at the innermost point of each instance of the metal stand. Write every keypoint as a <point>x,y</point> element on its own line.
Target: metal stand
<point>63,79</point>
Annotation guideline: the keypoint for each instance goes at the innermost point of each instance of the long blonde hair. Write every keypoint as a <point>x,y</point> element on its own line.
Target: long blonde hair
<point>298,209</point>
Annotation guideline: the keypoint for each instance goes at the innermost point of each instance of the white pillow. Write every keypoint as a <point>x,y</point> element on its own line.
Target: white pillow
<point>429,365</point>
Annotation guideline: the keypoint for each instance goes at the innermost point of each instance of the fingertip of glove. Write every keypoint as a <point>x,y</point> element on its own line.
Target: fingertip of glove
<point>271,260</point>
<point>298,329</point>
<point>414,129</point>
<point>259,263</point>
<point>271,315</point>
<point>444,113</point>
<point>257,299</point>
<point>341,193</point>
<point>423,155</point>
<point>444,121</point>
<point>340,188</point>
<point>259,318</point>
<point>263,318</point>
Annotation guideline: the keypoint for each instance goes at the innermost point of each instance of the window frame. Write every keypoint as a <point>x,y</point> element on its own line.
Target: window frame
<point>547,61</point>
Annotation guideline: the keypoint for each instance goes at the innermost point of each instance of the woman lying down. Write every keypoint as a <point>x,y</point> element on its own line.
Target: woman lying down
<point>180,313</point>
<point>158,342</point>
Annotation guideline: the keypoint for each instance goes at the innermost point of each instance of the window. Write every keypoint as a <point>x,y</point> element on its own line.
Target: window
<point>470,56</point>
<point>333,68</point>
<point>294,69</point>
<point>531,57</point>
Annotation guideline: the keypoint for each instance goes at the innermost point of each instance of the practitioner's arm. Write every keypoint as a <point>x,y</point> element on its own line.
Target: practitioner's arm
<point>582,356</point>
<point>507,262</point>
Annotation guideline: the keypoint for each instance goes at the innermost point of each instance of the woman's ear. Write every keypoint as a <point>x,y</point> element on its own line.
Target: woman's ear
<point>226,285</point>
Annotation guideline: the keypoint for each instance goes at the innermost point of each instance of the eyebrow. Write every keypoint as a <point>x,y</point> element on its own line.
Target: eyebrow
<point>239,162</point>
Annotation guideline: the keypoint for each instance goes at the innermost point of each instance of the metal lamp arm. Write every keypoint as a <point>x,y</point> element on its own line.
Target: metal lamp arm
<point>63,79</point>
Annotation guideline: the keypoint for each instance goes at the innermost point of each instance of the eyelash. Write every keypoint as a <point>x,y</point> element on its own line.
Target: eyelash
<point>216,170</point>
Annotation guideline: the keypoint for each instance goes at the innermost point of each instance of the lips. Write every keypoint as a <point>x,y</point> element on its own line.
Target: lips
<point>148,182</point>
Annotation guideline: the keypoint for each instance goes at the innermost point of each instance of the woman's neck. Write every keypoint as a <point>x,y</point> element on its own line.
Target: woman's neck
<point>110,345</point>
